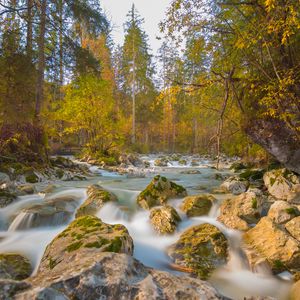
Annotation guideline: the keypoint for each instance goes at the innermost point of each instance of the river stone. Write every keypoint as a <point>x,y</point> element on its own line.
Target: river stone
<point>242,211</point>
<point>14,266</point>
<point>8,288</point>
<point>112,276</point>
<point>281,212</point>
<point>283,185</point>
<point>27,189</point>
<point>164,219</point>
<point>200,249</point>
<point>97,197</point>
<point>6,197</point>
<point>198,205</point>
<point>85,236</point>
<point>293,227</point>
<point>161,162</point>
<point>158,192</point>
<point>235,185</point>
<point>52,212</point>
<point>272,242</point>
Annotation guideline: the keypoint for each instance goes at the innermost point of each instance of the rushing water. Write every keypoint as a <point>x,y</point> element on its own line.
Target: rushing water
<point>29,224</point>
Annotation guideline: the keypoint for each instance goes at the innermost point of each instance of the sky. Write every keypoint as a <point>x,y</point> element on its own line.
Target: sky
<point>153,11</point>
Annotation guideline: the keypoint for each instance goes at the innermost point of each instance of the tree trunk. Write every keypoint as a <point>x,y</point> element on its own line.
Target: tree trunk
<point>278,139</point>
<point>29,28</point>
<point>41,60</point>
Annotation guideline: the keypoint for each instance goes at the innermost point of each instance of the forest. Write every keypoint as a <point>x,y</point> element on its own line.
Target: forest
<point>83,117</point>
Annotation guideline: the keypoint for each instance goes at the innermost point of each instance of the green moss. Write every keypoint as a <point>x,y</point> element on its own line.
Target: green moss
<point>254,203</point>
<point>278,265</point>
<point>272,181</point>
<point>59,173</point>
<point>115,245</point>
<point>74,246</point>
<point>31,178</point>
<point>291,211</point>
<point>97,244</point>
<point>53,263</point>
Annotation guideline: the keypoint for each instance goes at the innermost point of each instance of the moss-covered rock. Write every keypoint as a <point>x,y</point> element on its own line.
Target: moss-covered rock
<point>161,162</point>
<point>85,236</point>
<point>31,177</point>
<point>252,175</point>
<point>202,249</point>
<point>238,166</point>
<point>158,192</point>
<point>6,198</point>
<point>198,205</point>
<point>283,185</point>
<point>281,212</point>
<point>235,185</point>
<point>14,266</point>
<point>97,197</point>
<point>164,219</point>
<point>272,242</point>
<point>242,211</point>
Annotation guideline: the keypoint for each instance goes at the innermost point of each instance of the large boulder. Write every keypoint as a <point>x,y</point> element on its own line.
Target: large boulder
<point>283,185</point>
<point>85,236</point>
<point>97,197</point>
<point>14,266</point>
<point>242,211</point>
<point>235,185</point>
<point>273,243</point>
<point>281,212</point>
<point>293,227</point>
<point>200,250</point>
<point>198,205</point>
<point>164,219</point>
<point>159,191</point>
<point>114,276</point>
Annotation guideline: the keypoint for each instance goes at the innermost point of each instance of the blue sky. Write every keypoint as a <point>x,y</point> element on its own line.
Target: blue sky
<point>153,11</point>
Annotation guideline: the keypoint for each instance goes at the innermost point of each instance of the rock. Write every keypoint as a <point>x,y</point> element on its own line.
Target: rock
<point>8,288</point>
<point>242,211</point>
<point>237,166</point>
<point>252,175</point>
<point>112,276</point>
<point>219,176</point>
<point>4,178</point>
<point>27,189</point>
<point>158,192</point>
<point>97,197</point>
<point>293,227</point>
<point>31,177</point>
<point>198,205</point>
<point>190,172</point>
<point>283,185</point>
<point>273,243</point>
<point>164,219</point>
<point>295,293</point>
<point>281,212</point>
<point>235,185</point>
<point>52,212</point>
<point>195,163</point>
<point>62,162</point>
<point>201,249</point>
<point>6,198</point>
<point>14,266</point>
<point>85,236</point>
<point>182,162</point>
<point>161,162</point>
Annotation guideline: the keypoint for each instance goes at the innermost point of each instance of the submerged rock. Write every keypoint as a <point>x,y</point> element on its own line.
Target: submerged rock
<point>283,185</point>
<point>273,243</point>
<point>164,219</point>
<point>85,236</point>
<point>242,211</point>
<point>114,276</point>
<point>158,192</point>
<point>235,185</point>
<point>201,249</point>
<point>97,197</point>
<point>198,205</point>
<point>190,172</point>
<point>14,266</point>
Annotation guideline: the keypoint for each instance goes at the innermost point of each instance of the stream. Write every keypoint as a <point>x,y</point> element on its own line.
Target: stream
<point>22,231</point>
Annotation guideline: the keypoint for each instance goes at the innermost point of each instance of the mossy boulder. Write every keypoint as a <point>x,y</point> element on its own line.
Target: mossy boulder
<point>14,266</point>
<point>159,191</point>
<point>161,162</point>
<point>182,162</point>
<point>252,175</point>
<point>97,197</point>
<point>242,211</point>
<point>281,212</point>
<point>198,205</point>
<point>85,236</point>
<point>6,197</point>
<point>283,185</point>
<point>235,185</point>
<point>201,249</point>
<point>272,242</point>
<point>31,177</point>
<point>164,219</point>
<point>238,166</point>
